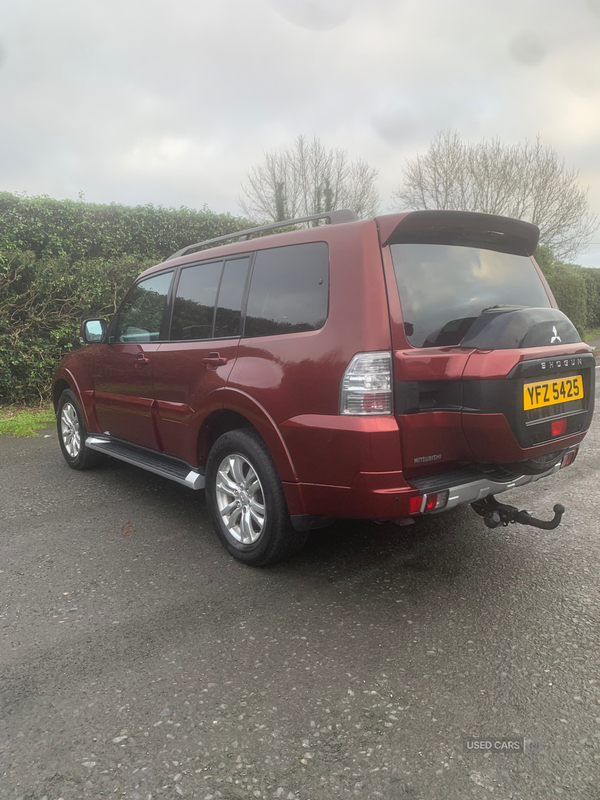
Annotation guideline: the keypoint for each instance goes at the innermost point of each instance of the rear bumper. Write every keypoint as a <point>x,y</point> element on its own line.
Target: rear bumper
<point>388,495</point>
<point>467,486</point>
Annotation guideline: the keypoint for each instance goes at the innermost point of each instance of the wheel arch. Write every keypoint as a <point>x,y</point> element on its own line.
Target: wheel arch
<point>59,387</point>
<point>239,410</point>
<point>65,380</point>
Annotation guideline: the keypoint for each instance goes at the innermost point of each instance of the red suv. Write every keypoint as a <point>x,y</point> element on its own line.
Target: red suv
<point>382,368</point>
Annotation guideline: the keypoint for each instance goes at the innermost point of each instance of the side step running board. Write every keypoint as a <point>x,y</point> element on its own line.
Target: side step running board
<point>166,466</point>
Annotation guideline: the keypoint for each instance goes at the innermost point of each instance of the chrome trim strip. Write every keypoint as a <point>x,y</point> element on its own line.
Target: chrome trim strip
<point>558,416</point>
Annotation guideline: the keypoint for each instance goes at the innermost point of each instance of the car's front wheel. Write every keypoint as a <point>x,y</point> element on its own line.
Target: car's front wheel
<point>246,500</point>
<point>72,433</point>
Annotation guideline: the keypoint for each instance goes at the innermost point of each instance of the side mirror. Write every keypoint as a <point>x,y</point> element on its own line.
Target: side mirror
<point>93,331</point>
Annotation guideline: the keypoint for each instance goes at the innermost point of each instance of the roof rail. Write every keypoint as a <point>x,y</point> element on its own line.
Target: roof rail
<point>334,217</point>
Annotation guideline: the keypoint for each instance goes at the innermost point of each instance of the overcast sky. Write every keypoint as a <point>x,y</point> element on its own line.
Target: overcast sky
<point>172,101</point>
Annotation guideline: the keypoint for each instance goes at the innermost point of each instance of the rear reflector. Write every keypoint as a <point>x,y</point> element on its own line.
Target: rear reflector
<point>416,503</point>
<point>559,427</point>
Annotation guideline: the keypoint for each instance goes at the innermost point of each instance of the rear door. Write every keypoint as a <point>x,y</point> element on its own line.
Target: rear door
<point>442,277</point>
<point>196,362</point>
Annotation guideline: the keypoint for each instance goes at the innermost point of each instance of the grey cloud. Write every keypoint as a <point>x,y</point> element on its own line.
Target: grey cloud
<point>527,48</point>
<point>147,101</point>
<point>594,6</point>
<point>316,15</point>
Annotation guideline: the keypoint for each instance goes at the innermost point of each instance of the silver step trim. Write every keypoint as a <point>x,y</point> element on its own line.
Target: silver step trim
<point>478,489</point>
<point>193,480</point>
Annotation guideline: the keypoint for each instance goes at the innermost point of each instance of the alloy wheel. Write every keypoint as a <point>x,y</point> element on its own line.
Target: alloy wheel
<point>69,430</point>
<point>240,499</point>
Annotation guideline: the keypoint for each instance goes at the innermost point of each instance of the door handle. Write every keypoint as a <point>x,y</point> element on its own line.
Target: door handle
<point>141,361</point>
<point>214,360</point>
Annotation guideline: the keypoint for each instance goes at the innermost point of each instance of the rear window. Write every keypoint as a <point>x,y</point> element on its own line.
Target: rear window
<point>289,290</point>
<point>194,307</point>
<point>228,316</point>
<point>444,288</point>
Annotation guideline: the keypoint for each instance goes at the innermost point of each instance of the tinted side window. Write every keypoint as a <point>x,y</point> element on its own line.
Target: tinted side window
<point>141,315</point>
<point>231,292</point>
<point>194,306</point>
<point>289,291</point>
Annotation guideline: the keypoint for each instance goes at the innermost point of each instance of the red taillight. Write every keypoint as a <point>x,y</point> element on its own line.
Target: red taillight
<point>433,502</point>
<point>559,427</point>
<point>415,504</point>
<point>367,385</point>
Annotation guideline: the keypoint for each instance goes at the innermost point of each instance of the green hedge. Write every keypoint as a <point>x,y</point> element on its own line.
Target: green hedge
<point>569,287</point>
<point>81,230</point>
<point>42,304</point>
<point>576,289</point>
<point>63,261</point>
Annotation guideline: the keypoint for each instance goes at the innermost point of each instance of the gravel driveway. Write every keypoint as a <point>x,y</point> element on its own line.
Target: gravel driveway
<point>140,661</point>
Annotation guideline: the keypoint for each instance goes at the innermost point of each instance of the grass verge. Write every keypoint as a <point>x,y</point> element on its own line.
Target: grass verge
<point>16,421</point>
<point>593,334</point>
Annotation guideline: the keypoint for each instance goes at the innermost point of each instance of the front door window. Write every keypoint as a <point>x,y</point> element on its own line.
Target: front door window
<point>124,389</point>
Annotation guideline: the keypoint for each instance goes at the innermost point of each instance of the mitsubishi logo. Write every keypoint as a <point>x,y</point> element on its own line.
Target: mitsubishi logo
<point>555,337</point>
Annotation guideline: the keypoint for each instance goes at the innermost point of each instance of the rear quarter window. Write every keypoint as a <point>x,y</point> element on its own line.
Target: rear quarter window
<point>289,290</point>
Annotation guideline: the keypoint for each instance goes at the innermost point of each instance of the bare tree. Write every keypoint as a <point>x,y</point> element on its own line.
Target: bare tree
<point>527,181</point>
<point>307,179</point>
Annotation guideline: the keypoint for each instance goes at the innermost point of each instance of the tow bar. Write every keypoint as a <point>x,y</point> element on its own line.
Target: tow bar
<point>495,514</point>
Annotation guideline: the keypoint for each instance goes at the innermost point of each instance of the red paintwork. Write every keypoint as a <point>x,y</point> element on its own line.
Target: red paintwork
<point>372,494</point>
<point>345,447</point>
<point>123,392</point>
<point>186,391</point>
<point>288,388</point>
<point>436,433</point>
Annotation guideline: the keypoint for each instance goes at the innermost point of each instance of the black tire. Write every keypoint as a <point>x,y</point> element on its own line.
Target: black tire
<point>235,460</point>
<point>72,433</point>
<point>535,466</point>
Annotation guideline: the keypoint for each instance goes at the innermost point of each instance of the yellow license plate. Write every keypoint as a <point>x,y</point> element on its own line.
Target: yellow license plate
<point>549,393</point>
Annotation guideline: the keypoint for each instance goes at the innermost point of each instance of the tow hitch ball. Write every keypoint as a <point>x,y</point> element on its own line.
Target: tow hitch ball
<point>495,514</point>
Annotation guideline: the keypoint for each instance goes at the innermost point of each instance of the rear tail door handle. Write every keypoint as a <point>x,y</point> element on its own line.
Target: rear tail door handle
<point>214,360</point>
<point>141,361</point>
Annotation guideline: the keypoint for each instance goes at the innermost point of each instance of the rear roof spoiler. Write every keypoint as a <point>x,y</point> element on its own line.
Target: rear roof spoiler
<point>459,227</point>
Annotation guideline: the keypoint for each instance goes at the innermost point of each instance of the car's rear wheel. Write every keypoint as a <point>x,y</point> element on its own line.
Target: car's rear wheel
<point>72,433</point>
<point>247,502</point>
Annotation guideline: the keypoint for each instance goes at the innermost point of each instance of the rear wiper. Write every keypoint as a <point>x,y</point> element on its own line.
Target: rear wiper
<point>501,305</point>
